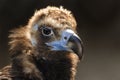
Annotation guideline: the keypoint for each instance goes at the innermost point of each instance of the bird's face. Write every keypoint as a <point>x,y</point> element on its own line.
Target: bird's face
<point>56,34</point>
<point>51,35</point>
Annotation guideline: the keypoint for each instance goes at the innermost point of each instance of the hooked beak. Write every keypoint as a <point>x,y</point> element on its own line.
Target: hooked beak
<point>69,42</point>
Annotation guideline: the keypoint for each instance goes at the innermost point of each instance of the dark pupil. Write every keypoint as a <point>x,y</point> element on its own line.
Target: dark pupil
<point>46,31</point>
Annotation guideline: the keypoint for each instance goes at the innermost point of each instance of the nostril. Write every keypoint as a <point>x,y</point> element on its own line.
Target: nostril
<point>65,38</point>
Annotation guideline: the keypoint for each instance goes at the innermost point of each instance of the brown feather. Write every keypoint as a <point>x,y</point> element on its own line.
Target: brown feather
<point>38,62</point>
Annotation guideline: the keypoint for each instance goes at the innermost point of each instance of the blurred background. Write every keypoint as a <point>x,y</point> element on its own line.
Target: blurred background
<point>98,26</point>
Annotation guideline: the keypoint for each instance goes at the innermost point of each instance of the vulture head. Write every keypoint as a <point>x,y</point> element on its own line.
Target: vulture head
<point>52,31</point>
<point>48,45</point>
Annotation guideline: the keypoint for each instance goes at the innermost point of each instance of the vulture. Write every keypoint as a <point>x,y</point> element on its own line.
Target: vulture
<point>47,48</point>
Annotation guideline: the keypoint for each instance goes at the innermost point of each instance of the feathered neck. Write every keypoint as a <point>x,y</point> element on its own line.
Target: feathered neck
<point>57,69</point>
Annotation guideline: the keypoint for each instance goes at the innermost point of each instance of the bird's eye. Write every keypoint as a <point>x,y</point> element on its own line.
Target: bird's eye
<point>46,31</point>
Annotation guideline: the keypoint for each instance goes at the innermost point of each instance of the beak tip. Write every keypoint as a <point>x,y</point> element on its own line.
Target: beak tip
<point>77,45</point>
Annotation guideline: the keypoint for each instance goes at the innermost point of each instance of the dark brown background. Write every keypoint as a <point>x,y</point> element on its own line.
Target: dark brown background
<point>98,26</point>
